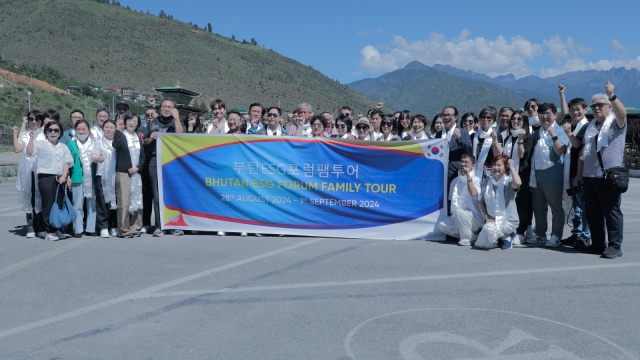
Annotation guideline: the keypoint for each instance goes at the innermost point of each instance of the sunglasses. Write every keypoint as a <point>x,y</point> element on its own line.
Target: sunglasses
<point>468,122</point>
<point>275,115</point>
<point>53,130</point>
<point>341,126</point>
<point>388,124</point>
<point>32,119</point>
<point>516,119</point>
<point>598,106</point>
<point>362,128</point>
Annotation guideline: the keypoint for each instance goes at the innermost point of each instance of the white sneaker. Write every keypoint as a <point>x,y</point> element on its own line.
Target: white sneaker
<point>464,243</point>
<point>517,240</point>
<point>143,230</point>
<point>104,233</point>
<point>553,242</point>
<point>221,233</point>
<point>114,232</point>
<point>243,234</point>
<point>31,234</point>
<point>51,237</point>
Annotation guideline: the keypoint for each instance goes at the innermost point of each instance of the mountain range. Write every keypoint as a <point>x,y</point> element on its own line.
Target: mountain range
<point>427,89</point>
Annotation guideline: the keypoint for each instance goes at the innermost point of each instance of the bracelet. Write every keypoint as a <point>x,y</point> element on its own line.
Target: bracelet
<point>613,98</point>
<point>520,142</point>
<point>469,180</point>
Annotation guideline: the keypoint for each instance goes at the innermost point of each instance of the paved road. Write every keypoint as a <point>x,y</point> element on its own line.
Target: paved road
<point>209,297</point>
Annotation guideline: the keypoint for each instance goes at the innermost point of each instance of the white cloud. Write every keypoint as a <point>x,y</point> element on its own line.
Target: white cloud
<point>617,44</point>
<point>492,57</point>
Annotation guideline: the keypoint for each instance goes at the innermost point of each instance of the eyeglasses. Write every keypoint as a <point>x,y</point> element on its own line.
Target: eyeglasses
<point>275,115</point>
<point>547,114</point>
<point>341,126</point>
<point>516,119</point>
<point>362,128</point>
<point>53,130</point>
<point>598,106</point>
<point>316,125</point>
<point>32,119</point>
<point>486,118</point>
<point>388,124</point>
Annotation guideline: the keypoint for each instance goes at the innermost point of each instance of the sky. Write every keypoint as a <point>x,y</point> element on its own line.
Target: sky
<point>349,40</point>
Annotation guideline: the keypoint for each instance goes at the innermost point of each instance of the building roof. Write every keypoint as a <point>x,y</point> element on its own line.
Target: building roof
<point>176,89</point>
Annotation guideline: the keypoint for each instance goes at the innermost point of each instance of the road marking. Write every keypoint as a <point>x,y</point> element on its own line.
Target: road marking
<point>390,280</point>
<point>142,294</point>
<point>46,255</point>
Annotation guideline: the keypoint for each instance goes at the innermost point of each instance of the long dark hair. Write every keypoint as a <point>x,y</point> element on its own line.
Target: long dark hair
<point>196,129</point>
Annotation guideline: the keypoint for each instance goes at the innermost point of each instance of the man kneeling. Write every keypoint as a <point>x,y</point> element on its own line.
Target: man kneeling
<point>466,218</point>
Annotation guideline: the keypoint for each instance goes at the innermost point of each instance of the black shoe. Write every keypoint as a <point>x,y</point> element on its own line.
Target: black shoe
<point>612,253</point>
<point>129,236</point>
<point>90,233</point>
<point>77,236</point>
<point>137,234</point>
<point>569,241</point>
<point>581,243</point>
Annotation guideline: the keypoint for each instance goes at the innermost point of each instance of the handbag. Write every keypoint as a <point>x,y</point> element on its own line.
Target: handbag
<point>62,216</point>
<point>615,178</point>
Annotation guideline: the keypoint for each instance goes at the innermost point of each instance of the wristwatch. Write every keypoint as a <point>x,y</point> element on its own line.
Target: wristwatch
<point>554,138</point>
<point>613,97</point>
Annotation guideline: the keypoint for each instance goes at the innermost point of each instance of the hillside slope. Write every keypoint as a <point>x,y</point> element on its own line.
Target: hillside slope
<point>110,45</point>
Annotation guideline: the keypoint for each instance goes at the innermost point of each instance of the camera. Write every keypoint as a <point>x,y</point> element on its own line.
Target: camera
<point>575,190</point>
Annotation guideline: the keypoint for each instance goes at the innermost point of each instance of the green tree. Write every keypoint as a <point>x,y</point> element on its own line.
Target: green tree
<point>209,27</point>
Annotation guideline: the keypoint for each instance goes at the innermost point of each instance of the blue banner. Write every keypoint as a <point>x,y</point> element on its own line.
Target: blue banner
<point>302,186</point>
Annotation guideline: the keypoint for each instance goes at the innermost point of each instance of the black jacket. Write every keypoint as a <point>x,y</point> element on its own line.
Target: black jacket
<point>123,157</point>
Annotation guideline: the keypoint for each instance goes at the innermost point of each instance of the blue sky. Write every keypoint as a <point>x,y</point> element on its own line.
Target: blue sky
<point>350,40</point>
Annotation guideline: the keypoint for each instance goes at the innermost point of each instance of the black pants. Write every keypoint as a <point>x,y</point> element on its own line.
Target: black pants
<point>153,179</point>
<point>47,184</point>
<point>602,206</point>
<point>38,221</point>
<point>105,217</point>
<point>147,197</point>
<point>524,203</point>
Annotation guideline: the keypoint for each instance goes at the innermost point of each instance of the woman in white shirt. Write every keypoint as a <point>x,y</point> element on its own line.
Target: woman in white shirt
<point>25,182</point>
<point>52,166</point>
<point>497,204</point>
<point>104,155</point>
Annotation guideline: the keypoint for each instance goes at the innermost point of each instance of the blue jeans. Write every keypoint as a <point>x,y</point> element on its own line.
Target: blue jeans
<point>580,224</point>
<point>78,202</point>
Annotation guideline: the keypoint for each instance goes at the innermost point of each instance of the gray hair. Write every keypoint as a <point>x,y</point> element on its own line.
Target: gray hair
<point>305,105</point>
<point>601,96</point>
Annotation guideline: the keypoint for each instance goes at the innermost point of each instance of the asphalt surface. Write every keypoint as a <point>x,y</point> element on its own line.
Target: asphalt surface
<point>209,297</point>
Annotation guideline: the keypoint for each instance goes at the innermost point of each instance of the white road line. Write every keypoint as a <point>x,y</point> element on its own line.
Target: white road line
<point>46,255</point>
<point>392,280</point>
<point>145,292</point>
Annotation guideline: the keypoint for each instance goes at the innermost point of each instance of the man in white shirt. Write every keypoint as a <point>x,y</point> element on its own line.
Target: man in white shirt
<point>466,218</point>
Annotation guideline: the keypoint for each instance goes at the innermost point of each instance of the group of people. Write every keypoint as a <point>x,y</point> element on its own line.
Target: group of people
<point>505,166</point>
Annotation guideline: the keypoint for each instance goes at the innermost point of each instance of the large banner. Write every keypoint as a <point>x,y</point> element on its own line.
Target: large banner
<point>303,186</point>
